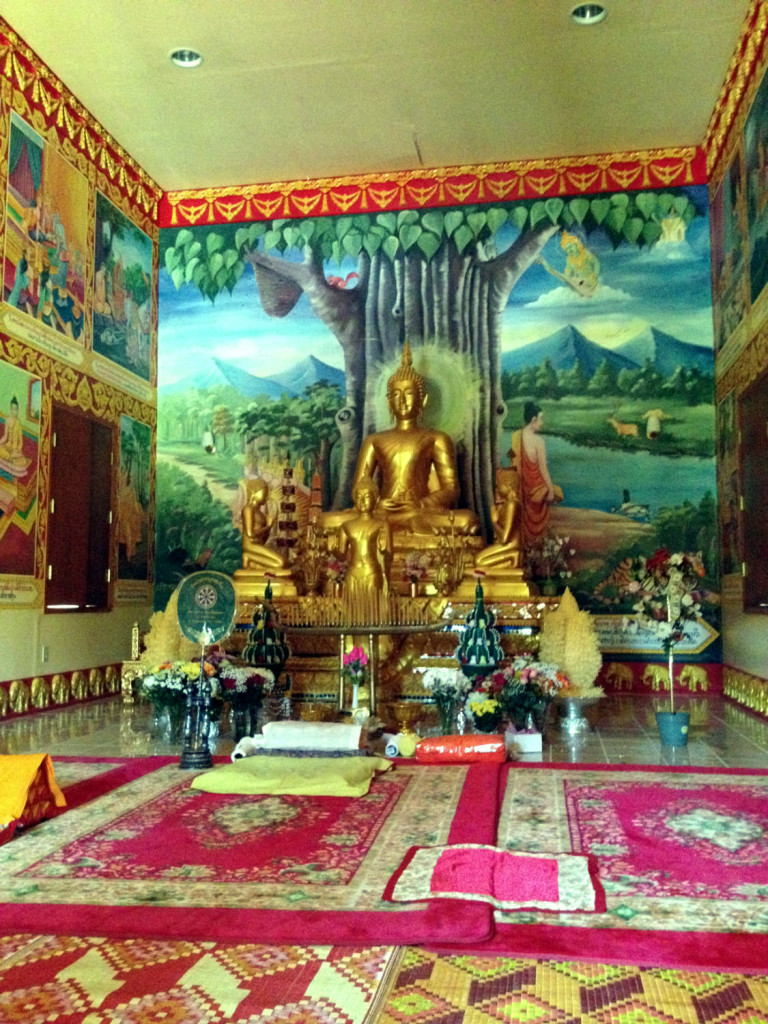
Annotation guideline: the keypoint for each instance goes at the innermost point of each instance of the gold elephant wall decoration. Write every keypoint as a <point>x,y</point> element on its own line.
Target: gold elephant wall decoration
<point>112,679</point>
<point>19,694</point>
<point>40,691</point>
<point>60,689</point>
<point>5,702</point>
<point>619,676</point>
<point>95,682</point>
<point>694,677</point>
<point>79,685</point>
<point>656,677</point>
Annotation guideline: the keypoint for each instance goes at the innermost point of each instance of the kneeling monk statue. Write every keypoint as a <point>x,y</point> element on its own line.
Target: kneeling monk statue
<point>259,561</point>
<point>415,465</point>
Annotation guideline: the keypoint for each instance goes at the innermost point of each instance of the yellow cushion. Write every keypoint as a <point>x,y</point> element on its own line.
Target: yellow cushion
<point>17,773</point>
<point>293,776</point>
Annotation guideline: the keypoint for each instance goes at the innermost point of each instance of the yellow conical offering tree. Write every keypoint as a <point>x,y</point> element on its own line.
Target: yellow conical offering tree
<point>165,641</point>
<point>568,639</point>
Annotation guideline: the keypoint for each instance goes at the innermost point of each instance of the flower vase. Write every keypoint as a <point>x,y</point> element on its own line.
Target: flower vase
<point>241,720</point>
<point>159,726</point>
<point>487,723</point>
<point>672,725</point>
<point>176,715</point>
<point>446,709</point>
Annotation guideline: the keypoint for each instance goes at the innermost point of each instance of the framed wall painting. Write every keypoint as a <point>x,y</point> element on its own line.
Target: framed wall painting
<point>122,290</point>
<point>46,241</point>
<point>19,453</point>
<point>133,499</point>
<point>756,178</point>
<point>728,219</point>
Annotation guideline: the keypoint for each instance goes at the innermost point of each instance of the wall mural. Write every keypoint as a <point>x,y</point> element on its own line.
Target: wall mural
<point>45,238</point>
<point>20,399</point>
<point>278,337</point>
<point>731,287</point>
<point>756,172</point>
<point>122,291</point>
<point>133,499</point>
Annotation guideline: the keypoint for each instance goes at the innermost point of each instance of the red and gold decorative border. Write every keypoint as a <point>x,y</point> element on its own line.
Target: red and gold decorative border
<point>741,74</point>
<point>74,127</point>
<point>482,183</point>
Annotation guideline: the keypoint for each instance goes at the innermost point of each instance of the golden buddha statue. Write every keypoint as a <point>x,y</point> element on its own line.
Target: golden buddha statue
<point>415,467</point>
<point>505,552</point>
<point>260,561</point>
<point>365,540</point>
<point>501,562</point>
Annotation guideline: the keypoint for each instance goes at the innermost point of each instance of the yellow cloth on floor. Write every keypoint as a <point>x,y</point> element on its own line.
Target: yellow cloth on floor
<point>293,776</point>
<point>17,773</point>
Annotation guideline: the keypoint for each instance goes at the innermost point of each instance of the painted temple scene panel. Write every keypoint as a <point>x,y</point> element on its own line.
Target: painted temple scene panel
<point>122,290</point>
<point>46,233</point>
<point>20,394</point>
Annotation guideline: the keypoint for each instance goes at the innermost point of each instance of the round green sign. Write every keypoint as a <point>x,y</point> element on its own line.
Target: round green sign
<point>207,607</point>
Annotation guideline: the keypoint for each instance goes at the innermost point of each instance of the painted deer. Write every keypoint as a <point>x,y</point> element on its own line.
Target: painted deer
<point>622,429</point>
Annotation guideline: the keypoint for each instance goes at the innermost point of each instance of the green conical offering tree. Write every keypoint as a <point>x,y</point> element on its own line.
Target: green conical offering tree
<point>568,639</point>
<point>479,651</point>
<point>266,646</point>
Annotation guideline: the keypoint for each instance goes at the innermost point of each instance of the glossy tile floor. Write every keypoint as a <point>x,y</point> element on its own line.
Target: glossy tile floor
<point>621,730</point>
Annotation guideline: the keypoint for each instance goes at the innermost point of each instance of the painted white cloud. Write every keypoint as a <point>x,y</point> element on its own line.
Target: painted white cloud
<point>560,296</point>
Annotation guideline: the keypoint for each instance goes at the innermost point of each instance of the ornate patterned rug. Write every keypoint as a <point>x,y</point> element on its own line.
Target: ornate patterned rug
<point>153,858</point>
<point>434,989</point>
<point>65,980</point>
<point>682,856</point>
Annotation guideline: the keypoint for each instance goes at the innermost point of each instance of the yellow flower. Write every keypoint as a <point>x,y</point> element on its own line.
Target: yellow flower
<point>484,707</point>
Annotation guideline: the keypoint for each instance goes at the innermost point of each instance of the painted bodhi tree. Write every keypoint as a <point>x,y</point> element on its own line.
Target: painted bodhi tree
<point>432,276</point>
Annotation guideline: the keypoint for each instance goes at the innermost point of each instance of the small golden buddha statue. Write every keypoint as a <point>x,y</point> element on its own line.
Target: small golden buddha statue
<point>501,562</point>
<point>365,540</point>
<point>260,561</point>
<point>505,552</point>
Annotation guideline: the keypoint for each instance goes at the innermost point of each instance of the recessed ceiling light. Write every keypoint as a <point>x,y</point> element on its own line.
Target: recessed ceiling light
<point>588,14</point>
<point>183,57</point>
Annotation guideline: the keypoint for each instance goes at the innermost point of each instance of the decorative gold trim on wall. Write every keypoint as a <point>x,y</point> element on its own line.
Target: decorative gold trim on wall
<point>450,186</point>
<point>746,689</point>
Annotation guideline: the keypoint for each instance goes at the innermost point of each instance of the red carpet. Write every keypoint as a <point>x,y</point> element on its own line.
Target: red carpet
<point>154,858</point>
<point>682,857</point>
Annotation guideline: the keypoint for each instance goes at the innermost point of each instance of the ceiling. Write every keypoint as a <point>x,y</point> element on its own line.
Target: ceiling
<point>296,89</point>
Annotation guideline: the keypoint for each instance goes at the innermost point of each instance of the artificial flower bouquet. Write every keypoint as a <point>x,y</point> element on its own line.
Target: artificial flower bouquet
<point>167,685</point>
<point>483,705</point>
<point>448,687</point>
<point>354,665</point>
<point>242,685</point>
<point>551,558</point>
<point>526,688</point>
<point>667,591</point>
<point>416,565</point>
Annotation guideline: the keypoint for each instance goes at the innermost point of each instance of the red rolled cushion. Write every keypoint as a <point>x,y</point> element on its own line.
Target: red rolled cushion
<point>446,749</point>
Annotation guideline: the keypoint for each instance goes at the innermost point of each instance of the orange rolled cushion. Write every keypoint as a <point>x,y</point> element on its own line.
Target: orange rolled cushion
<point>446,749</point>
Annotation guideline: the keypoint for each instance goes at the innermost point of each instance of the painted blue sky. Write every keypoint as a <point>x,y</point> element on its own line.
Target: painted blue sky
<point>666,286</point>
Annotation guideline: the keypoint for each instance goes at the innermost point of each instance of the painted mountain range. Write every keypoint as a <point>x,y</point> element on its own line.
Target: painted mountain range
<point>291,382</point>
<point>568,344</point>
